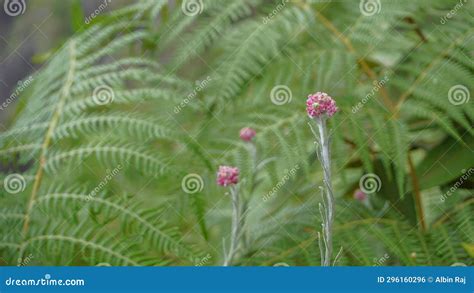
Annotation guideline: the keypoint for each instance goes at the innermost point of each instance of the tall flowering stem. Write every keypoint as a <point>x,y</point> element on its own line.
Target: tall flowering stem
<point>247,135</point>
<point>320,107</point>
<point>236,226</point>
<point>229,176</point>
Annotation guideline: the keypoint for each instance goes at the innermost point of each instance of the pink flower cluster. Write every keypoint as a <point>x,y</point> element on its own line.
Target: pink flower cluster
<point>227,175</point>
<point>319,104</point>
<point>247,134</point>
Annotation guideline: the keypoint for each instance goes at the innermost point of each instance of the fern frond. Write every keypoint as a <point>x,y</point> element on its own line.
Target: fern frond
<point>110,154</point>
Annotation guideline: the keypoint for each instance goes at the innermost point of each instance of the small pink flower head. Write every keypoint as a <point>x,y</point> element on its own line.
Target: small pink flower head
<point>247,134</point>
<point>319,104</point>
<point>360,195</point>
<point>227,175</point>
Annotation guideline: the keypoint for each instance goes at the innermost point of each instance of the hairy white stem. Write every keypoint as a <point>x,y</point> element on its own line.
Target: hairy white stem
<point>236,227</point>
<point>253,154</point>
<point>324,155</point>
<point>244,209</point>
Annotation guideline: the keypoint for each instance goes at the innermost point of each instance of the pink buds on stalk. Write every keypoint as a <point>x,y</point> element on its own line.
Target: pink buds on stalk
<point>359,195</point>
<point>227,175</point>
<point>319,104</point>
<point>247,134</point>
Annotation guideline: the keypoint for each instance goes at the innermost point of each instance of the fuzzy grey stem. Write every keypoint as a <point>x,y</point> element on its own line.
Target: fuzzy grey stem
<point>235,233</point>
<point>336,259</point>
<point>223,248</point>
<point>328,199</point>
<point>253,154</point>
<point>252,148</point>
<point>263,163</point>
<point>321,248</point>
